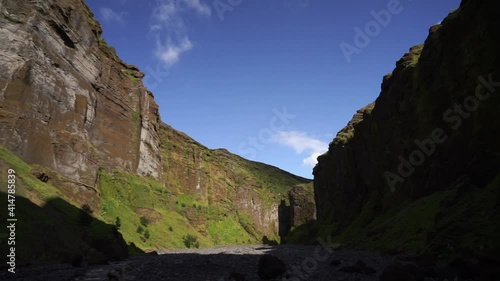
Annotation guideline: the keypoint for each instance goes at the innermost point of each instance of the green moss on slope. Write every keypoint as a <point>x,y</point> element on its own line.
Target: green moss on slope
<point>169,214</point>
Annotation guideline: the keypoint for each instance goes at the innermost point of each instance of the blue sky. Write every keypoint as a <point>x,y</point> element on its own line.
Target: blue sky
<point>270,80</point>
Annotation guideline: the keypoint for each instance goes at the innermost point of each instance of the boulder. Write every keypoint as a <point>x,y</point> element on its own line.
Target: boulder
<point>270,267</point>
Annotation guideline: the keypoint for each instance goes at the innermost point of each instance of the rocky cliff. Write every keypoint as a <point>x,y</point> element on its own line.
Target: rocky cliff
<point>233,184</point>
<point>96,166</point>
<point>67,101</point>
<point>418,170</point>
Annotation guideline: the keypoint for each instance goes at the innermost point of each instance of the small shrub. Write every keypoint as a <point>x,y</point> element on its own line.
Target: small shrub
<point>183,205</point>
<point>191,241</point>
<point>140,229</point>
<point>146,234</point>
<point>267,241</point>
<point>118,223</point>
<point>86,208</point>
<point>170,228</point>
<point>85,215</point>
<point>144,221</point>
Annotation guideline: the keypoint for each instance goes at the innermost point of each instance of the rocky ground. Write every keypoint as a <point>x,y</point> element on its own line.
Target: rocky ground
<point>238,263</point>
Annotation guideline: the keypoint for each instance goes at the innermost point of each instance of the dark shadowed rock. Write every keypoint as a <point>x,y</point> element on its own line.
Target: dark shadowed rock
<point>360,179</point>
<point>270,267</point>
<point>487,268</point>
<point>112,276</point>
<point>95,257</point>
<point>77,260</point>
<point>426,260</point>
<point>335,263</point>
<point>40,175</point>
<point>237,276</point>
<point>358,267</point>
<point>401,272</point>
<point>302,207</point>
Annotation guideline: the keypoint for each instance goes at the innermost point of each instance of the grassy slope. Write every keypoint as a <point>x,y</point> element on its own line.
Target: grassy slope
<point>223,177</point>
<point>463,219</point>
<point>170,214</point>
<point>170,217</point>
<point>50,227</point>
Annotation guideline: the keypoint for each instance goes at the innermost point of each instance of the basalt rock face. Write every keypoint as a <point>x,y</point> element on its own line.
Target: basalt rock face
<point>299,212</point>
<point>78,125</point>
<point>66,100</point>
<point>216,177</point>
<point>418,170</point>
<point>302,205</point>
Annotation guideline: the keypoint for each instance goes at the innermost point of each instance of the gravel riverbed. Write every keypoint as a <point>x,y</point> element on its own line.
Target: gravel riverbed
<point>238,263</point>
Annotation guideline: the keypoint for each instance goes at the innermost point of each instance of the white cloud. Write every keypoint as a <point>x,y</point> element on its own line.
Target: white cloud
<point>200,8</point>
<point>155,27</point>
<point>109,15</point>
<point>302,143</point>
<point>166,12</point>
<point>169,27</point>
<point>170,53</point>
<point>312,160</point>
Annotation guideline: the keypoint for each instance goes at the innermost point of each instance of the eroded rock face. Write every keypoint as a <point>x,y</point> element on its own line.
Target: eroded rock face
<point>66,100</point>
<point>299,211</point>
<point>303,208</point>
<point>445,91</point>
<point>70,107</point>
<point>220,178</point>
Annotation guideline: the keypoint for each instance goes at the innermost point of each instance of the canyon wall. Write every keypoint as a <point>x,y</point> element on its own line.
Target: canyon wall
<point>86,140</point>
<point>67,101</point>
<point>418,170</point>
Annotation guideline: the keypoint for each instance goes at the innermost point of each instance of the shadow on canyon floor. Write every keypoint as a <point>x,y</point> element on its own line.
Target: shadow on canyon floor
<point>58,232</point>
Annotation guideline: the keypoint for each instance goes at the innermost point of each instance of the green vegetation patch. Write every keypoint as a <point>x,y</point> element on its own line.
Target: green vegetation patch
<point>228,231</point>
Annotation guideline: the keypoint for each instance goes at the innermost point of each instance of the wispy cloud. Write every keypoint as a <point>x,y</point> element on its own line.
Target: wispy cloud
<point>302,143</point>
<point>109,15</point>
<point>200,8</point>
<point>166,13</point>
<point>169,28</point>
<point>170,53</point>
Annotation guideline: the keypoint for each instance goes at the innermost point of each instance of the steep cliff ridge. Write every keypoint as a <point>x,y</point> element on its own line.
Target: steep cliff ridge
<point>67,101</point>
<point>236,185</point>
<point>212,196</point>
<point>86,141</point>
<point>419,170</point>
